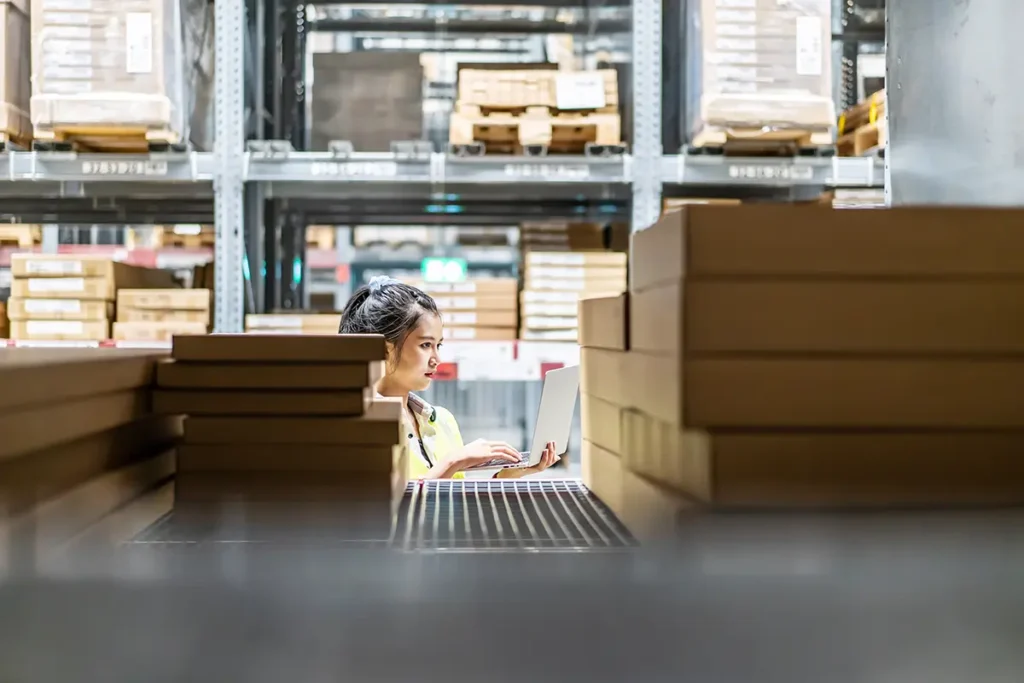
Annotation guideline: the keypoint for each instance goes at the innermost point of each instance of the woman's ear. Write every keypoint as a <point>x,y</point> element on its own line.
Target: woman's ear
<point>391,363</point>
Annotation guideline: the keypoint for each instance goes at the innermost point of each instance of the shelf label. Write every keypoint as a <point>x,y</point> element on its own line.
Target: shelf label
<point>123,167</point>
<point>354,169</point>
<point>556,171</point>
<point>770,172</point>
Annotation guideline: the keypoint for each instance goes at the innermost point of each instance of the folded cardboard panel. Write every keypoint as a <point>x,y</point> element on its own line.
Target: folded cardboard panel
<point>295,458</point>
<point>919,316</point>
<point>279,348</point>
<point>381,425</point>
<point>343,402</point>
<point>45,377</point>
<point>38,476</point>
<point>44,426</point>
<point>333,376</point>
<point>780,240</point>
<point>51,524</point>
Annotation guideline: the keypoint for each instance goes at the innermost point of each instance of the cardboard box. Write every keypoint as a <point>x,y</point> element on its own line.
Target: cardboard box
<point>15,70</point>
<point>280,376</point>
<point>485,286</point>
<point>294,458</point>
<point>604,322</point>
<point>480,333</point>
<point>164,299</point>
<point>256,348</point>
<point>252,402</point>
<point>156,331</point>
<point>99,276</point>
<point>475,302</point>
<point>145,315</point>
<point>606,374</point>
<point>651,511</point>
<point>579,259</point>
<point>381,425</point>
<point>909,316</point>
<point>776,240</point>
<point>293,322</point>
<point>61,330</point>
<point>602,423</point>
<point>59,309</point>
<point>602,473</point>
<point>829,469</point>
<point>506,319</point>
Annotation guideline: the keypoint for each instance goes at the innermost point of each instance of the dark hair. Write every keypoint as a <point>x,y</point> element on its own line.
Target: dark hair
<point>386,307</point>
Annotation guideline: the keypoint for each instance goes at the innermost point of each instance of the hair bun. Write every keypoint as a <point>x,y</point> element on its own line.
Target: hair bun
<point>377,282</point>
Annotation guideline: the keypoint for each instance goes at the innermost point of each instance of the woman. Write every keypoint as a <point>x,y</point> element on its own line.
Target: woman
<point>410,323</point>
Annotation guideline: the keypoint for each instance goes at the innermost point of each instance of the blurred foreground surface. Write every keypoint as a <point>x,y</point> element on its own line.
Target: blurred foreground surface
<point>879,598</point>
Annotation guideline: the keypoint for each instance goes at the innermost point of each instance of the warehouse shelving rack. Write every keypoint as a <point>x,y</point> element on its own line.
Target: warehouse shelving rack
<point>261,193</point>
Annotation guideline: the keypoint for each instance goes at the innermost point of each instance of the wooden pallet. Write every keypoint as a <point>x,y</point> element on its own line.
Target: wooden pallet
<point>871,110</point>
<point>110,139</point>
<point>533,131</point>
<point>868,140</point>
<point>501,90</point>
<point>20,235</point>
<point>12,142</point>
<point>762,141</point>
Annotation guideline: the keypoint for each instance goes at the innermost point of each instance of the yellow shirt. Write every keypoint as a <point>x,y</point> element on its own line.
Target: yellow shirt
<point>441,438</point>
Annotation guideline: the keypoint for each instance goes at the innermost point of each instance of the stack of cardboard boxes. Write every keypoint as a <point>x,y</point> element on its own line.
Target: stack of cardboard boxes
<point>79,444</point>
<point>293,323</point>
<point>159,314</point>
<point>481,309</point>
<point>554,282</point>
<point>286,426</point>
<point>801,357</point>
<point>567,236</point>
<point>71,297</point>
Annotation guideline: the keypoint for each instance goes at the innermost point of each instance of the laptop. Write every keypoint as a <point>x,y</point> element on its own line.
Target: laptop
<point>554,419</point>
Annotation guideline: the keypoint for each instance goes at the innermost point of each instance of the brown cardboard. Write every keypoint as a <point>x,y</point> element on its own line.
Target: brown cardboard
<point>59,520</point>
<point>333,376</point>
<point>602,474</point>
<point>60,266</point>
<point>59,309</point>
<point>381,425</point>
<point>603,374</point>
<point>293,322</point>
<point>916,317</point>
<point>61,330</point>
<point>353,460</point>
<point>146,315</point>
<point>480,333</point>
<point>82,288</point>
<point>838,393</point>
<point>780,240</point>
<point>649,510</point>
<point>489,286</point>
<point>588,287</point>
<point>164,299</point>
<point>156,331</point>
<point>250,402</point>
<point>664,453</point>
<point>47,377</point>
<point>44,426</point>
<point>479,318</point>
<point>41,475</point>
<point>604,322</point>
<point>279,348</point>
<point>475,302</point>
<point>575,259</point>
<point>586,273</point>
<point>601,423</point>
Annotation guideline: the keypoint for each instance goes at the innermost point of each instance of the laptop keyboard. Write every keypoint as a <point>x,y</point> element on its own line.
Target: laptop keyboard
<point>498,462</point>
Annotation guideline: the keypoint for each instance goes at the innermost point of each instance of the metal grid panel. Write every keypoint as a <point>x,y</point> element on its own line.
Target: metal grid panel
<point>498,515</point>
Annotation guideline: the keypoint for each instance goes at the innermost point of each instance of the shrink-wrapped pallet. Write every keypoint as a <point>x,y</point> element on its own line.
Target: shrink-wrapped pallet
<point>760,65</point>
<point>136,68</point>
<point>14,71</point>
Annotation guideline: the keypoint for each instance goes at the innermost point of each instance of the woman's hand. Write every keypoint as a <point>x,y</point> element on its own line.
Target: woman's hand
<point>547,459</point>
<point>474,454</point>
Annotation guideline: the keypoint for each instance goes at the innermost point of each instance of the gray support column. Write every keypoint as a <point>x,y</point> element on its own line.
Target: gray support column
<point>646,141</point>
<point>229,144</point>
<point>955,104</point>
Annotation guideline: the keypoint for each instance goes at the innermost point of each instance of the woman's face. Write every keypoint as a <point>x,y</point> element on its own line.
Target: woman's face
<point>418,360</point>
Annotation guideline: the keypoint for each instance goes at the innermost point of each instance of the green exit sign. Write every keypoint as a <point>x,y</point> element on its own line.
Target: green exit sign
<point>443,269</point>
